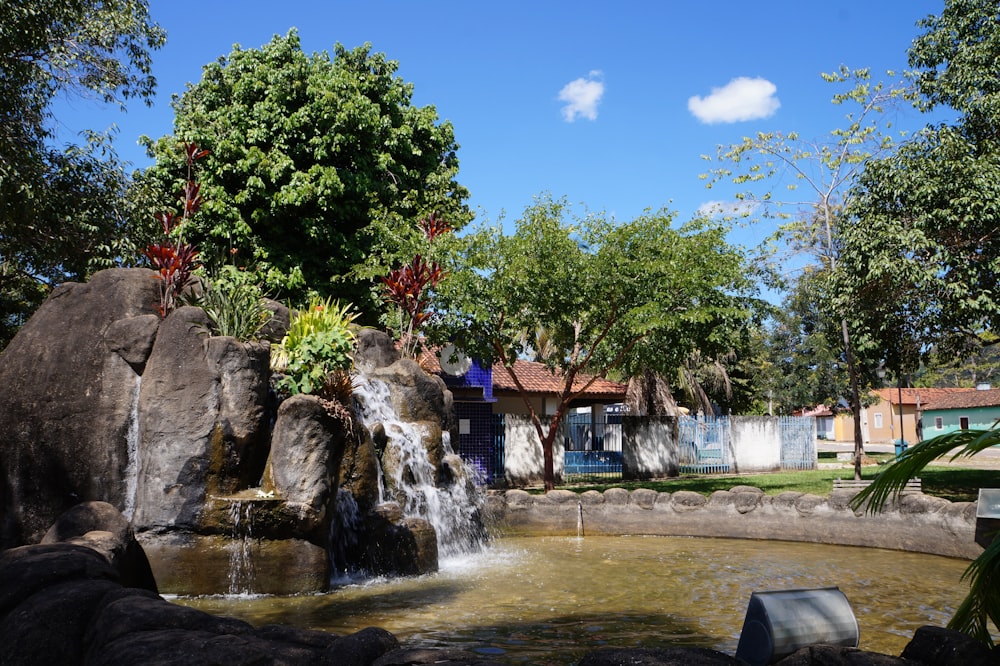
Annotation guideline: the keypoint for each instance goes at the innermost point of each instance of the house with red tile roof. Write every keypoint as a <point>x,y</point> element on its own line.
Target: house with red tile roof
<point>896,410</point>
<point>975,409</point>
<point>494,432</point>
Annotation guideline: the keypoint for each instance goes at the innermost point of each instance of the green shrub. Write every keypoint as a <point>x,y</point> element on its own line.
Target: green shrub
<point>235,309</point>
<point>317,347</point>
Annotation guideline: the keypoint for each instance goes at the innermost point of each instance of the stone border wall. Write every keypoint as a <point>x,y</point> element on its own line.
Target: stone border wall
<point>914,522</point>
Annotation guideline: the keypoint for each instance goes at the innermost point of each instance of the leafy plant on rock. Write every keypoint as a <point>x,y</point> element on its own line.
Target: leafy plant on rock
<point>315,354</point>
<point>235,310</point>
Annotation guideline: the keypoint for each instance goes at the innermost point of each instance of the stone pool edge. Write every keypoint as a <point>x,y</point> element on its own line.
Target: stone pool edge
<point>912,522</point>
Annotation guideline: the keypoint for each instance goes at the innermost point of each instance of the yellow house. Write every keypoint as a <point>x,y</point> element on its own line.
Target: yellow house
<point>880,421</point>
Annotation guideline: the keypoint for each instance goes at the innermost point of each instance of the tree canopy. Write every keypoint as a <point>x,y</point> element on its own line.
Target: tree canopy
<point>612,298</point>
<point>317,167</point>
<point>924,253</point>
<point>60,206</point>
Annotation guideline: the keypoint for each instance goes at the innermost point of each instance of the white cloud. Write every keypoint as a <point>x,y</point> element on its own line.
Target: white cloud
<point>741,99</point>
<point>726,209</point>
<point>582,97</point>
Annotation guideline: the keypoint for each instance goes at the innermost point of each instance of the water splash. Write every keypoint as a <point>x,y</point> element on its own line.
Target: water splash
<point>132,453</point>
<point>447,498</point>
<point>241,547</point>
<point>579,520</point>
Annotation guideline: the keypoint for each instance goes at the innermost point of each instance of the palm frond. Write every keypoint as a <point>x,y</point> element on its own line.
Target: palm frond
<point>891,481</point>
<point>982,603</point>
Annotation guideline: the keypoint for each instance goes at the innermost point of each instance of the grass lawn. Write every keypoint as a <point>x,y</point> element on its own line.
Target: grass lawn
<point>956,484</point>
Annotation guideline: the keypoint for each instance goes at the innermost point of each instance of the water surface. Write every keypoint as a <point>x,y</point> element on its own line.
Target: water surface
<point>548,600</point>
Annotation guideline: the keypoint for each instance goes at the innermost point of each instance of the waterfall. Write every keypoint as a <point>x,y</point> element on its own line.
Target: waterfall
<point>344,536</point>
<point>241,566</point>
<point>452,507</point>
<point>132,453</point>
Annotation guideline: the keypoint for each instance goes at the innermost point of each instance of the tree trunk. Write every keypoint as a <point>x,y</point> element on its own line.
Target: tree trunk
<point>648,394</point>
<point>852,371</point>
<point>549,469</point>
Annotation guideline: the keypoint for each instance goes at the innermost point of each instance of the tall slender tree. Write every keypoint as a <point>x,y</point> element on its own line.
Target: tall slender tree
<point>825,170</point>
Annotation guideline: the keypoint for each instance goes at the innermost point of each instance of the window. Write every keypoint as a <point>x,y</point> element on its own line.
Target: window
<point>939,423</point>
<point>963,422</point>
<point>878,420</point>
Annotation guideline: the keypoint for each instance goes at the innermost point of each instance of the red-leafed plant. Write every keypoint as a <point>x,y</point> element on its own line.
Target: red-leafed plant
<point>174,260</point>
<point>410,287</point>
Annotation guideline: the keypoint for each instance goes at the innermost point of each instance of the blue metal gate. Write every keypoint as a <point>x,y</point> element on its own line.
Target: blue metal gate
<point>704,445</point>
<point>798,442</point>
<point>593,447</point>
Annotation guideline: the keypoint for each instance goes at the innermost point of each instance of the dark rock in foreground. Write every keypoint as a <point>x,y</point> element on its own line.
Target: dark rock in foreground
<point>64,602</point>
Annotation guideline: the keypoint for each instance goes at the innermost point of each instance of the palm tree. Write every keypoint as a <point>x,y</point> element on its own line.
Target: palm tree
<point>648,394</point>
<point>982,604</point>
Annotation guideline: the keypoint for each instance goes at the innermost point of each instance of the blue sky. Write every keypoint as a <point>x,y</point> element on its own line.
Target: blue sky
<point>608,104</point>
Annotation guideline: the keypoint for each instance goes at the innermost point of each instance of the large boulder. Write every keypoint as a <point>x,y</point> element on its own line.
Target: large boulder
<point>203,421</point>
<point>373,349</point>
<point>64,603</point>
<point>106,402</point>
<point>100,527</point>
<point>307,446</point>
<point>70,379</point>
<point>172,426</point>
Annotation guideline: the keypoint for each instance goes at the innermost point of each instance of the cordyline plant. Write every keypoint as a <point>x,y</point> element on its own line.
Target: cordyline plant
<point>410,287</point>
<point>175,262</point>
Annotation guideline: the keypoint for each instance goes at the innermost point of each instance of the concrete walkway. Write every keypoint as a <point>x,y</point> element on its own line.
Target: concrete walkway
<point>988,459</point>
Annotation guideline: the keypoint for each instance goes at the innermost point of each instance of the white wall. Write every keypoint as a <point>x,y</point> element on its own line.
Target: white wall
<point>649,447</point>
<point>523,460</point>
<point>756,443</point>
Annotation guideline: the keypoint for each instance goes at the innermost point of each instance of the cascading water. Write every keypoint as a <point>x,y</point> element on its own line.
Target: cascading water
<point>344,536</point>
<point>452,508</point>
<point>241,565</point>
<point>132,453</point>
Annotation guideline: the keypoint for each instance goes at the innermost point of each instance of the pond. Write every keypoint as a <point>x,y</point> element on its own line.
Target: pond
<point>548,600</point>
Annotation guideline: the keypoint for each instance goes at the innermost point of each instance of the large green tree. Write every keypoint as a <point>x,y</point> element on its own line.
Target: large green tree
<point>60,207</point>
<point>317,167</point>
<point>613,298</point>
<point>924,256</point>
<point>925,251</point>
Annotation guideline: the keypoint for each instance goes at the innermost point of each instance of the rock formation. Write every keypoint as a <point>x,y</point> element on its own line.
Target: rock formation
<point>179,430</point>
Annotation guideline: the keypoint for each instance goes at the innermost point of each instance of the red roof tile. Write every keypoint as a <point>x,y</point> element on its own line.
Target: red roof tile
<point>966,399</point>
<point>818,410</point>
<point>537,379</point>
<point>925,395</point>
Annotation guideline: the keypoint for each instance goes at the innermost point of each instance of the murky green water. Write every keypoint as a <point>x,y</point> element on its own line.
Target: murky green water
<point>548,600</point>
